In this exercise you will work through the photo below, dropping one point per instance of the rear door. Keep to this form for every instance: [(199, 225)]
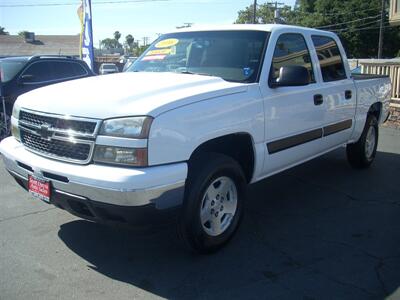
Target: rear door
[(337, 89), (293, 118)]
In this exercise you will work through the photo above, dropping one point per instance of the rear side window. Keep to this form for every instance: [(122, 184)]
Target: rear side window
[(291, 50), (63, 69), (330, 60)]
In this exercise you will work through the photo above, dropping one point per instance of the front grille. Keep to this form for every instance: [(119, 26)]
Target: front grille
[(58, 148), (83, 127)]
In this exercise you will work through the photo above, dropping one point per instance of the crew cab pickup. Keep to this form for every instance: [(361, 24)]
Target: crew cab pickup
[(201, 114)]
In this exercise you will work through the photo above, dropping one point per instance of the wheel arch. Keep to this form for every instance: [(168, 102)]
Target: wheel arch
[(239, 146), (376, 110)]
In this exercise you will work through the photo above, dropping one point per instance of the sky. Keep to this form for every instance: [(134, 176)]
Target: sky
[(141, 19)]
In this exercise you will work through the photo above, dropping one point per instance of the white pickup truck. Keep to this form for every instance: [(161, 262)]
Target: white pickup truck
[(201, 114)]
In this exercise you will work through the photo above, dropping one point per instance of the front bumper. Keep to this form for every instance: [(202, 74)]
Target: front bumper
[(161, 187)]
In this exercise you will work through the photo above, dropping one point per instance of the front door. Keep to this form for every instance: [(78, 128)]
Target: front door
[(293, 115)]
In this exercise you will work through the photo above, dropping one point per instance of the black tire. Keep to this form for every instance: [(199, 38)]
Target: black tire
[(357, 155), (204, 171)]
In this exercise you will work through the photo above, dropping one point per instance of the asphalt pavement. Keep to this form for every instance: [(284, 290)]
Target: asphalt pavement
[(319, 231)]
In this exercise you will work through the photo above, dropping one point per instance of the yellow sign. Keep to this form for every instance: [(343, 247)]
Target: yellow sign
[(159, 51), (167, 43)]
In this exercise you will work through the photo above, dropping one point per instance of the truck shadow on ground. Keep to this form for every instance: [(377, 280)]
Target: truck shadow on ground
[(321, 230)]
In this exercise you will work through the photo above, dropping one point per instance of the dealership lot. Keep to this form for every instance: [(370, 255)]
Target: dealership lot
[(319, 231)]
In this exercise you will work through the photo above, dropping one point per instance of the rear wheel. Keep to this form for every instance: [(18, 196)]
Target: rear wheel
[(213, 204), (362, 154)]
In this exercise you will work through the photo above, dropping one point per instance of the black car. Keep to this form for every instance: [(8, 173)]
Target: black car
[(19, 75)]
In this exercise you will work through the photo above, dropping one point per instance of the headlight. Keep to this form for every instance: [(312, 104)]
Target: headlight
[(133, 127), (15, 111), (121, 156)]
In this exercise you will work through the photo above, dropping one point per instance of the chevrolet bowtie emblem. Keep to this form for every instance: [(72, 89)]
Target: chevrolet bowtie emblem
[(45, 132)]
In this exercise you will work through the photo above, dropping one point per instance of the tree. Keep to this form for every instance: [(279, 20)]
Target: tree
[(355, 21), (3, 31), (117, 35), (23, 33), (110, 44), (264, 15), (129, 40)]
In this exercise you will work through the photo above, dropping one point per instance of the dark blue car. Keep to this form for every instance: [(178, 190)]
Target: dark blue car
[(19, 75)]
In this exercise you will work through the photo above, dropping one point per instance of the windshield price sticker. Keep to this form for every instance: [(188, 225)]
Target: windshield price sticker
[(159, 52), (153, 57), (167, 43)]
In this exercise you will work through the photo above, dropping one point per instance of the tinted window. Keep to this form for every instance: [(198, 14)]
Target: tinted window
[(330, 60), (291, 50), (64, 69), (231, 55), (79, 70), (40, 71)]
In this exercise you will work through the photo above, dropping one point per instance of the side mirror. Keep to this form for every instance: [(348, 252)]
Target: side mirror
[(26, 78), (292, 76)]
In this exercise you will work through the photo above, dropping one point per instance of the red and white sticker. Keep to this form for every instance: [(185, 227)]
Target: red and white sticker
[(39, 188), (153, 57)]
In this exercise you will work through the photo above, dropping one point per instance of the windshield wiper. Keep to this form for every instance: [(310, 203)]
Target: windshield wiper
[(195, 73)]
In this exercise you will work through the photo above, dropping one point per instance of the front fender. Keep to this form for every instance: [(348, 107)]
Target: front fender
[(175, 134)]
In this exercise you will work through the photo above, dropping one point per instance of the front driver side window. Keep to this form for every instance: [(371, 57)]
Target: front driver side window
[(38, 72), (291, 50)]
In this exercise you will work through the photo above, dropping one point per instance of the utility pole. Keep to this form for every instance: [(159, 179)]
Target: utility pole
[(277, 14), (254, 11), (380, 46), (145, 40)]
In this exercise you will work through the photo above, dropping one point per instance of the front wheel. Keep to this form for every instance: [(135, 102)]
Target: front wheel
[(213, 204), (361, 154)]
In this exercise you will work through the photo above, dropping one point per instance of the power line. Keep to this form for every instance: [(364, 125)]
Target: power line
[(364, 24), (362, 29), (336, 14), (77, 3), (108, 2), (348, 22)]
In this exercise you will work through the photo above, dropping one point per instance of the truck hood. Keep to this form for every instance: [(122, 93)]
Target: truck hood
[(126, 94)]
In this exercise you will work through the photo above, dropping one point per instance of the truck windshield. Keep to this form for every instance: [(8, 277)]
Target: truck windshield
[(231, 55)]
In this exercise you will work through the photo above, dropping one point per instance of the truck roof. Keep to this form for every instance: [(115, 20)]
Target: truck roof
[(257, 27)]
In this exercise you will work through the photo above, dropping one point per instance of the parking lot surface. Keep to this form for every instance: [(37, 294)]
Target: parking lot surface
[(319, 231)]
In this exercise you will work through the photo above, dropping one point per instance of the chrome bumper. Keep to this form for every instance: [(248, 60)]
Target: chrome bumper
[(160, 185)]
